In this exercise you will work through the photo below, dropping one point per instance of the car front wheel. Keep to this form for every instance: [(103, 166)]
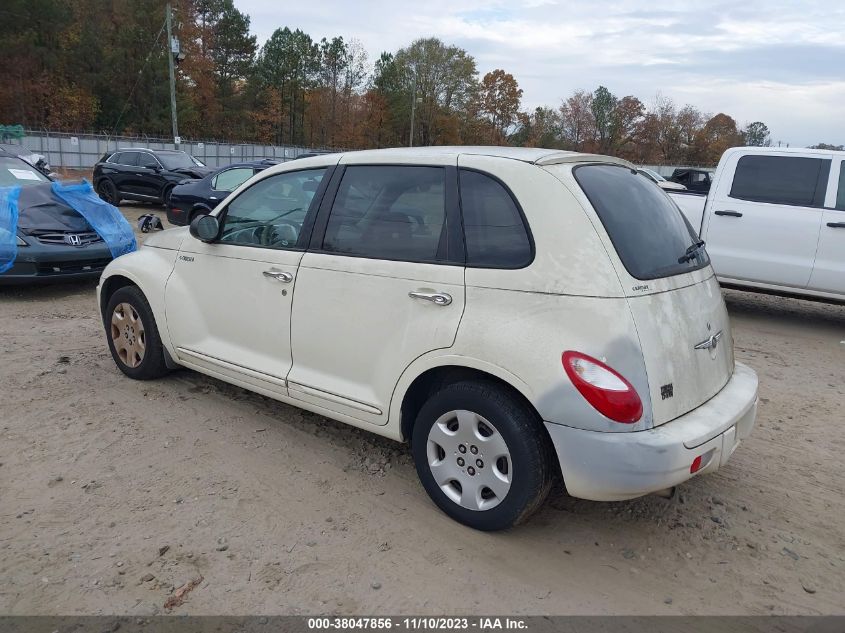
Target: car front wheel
[(481, 455), (132, 335), (107, 191)]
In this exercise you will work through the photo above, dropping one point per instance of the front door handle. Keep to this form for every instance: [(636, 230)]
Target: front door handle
[(836, 225), (733, 214), (437, 298), (278, 275)]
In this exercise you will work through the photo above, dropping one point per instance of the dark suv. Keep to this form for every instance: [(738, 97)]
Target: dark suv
[(143, 174)]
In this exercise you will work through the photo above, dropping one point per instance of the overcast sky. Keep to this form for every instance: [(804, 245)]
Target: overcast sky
[(777, 61)]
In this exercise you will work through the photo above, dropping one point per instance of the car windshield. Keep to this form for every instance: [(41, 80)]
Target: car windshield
[(178, 160), (650, 234), (14, 171)]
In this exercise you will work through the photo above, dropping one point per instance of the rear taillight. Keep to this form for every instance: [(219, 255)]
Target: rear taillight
[(604, 388)]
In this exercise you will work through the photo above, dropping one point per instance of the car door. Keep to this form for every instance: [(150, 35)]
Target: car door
[(381, 285), (148, 179), (228, 302), (123, 169), (763, 225), (226, 181), (829, 267)]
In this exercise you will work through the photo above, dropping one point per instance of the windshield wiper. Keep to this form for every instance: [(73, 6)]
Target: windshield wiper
[(691, 252)]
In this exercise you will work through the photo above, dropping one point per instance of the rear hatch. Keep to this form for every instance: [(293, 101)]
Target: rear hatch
[(673, 294)]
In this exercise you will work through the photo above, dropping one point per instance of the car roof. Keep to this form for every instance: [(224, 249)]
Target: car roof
[(147, 149), (783, 150), (533, 155)]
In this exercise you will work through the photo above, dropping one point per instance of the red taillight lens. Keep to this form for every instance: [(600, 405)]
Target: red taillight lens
[(604, 388)]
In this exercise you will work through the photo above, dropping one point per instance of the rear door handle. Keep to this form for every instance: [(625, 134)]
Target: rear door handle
[(733, 214), (836, 225), (437, 298), (278, 275)]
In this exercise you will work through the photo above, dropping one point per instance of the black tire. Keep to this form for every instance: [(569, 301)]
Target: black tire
[(165, 195), (151, 364), (196, 212), (530, 456), (108, 192)]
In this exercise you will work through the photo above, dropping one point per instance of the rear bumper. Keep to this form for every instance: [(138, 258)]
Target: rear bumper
[(616, 466)]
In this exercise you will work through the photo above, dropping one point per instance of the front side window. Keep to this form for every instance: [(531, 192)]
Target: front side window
[(147, 160), (231, 179), (178, 160), (389, 212), (789, 180), (494, 231), (648, 231), (840, 195), (270, 214)]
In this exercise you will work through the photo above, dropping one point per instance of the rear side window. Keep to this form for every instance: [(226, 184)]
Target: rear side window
[(389, 212), (781, 180), (494, 230), (127, 158), (840, 195), (231, 179), (648, 231)]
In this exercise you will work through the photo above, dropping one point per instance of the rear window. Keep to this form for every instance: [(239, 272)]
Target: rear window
[(781, 180), (649, 232)]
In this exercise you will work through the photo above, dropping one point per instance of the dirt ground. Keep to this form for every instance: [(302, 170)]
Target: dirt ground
[(115, 493)]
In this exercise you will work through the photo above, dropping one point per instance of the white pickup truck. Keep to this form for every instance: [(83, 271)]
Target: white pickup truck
[(774, 220)]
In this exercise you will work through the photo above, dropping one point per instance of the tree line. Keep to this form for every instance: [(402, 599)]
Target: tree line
[(89, 65)]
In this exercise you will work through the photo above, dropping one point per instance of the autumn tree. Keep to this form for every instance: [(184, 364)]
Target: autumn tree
[(442, 77), (577, 122), (500, 97), (717, 135)]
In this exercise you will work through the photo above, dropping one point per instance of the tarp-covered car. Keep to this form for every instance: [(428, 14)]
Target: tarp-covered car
[(47, 230)]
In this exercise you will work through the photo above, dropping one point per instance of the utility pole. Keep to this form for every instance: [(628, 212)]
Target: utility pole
[(413, 108), (170, 52)]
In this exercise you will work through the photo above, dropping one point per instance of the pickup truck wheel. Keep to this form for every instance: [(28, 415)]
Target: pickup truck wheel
[(481, 455), (132, 335), (107, 191)]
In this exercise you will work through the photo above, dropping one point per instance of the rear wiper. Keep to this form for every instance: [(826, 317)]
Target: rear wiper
[(691, 252)]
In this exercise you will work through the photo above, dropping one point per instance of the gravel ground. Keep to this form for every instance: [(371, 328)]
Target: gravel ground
[(116, 494)]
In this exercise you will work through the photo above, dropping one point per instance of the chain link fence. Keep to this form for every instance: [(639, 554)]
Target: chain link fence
[(82, 151)]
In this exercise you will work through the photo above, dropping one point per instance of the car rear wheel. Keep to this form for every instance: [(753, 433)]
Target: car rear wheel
[(132, 335), (107, 191), (481, 455)]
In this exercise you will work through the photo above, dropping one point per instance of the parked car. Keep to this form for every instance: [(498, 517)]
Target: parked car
[(144, 175), (774, 220), (54, 242), (201, 196), (660, 181), (39, 161), (693, 179), (512, 312)]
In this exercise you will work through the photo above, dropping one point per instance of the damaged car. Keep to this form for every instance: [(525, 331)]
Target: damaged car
[(47, 230), (144, 175)]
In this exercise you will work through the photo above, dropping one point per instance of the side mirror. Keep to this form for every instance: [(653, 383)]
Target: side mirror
[(205, 228)]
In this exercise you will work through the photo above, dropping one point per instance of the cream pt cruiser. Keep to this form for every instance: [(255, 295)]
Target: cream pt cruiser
[(516, 314)]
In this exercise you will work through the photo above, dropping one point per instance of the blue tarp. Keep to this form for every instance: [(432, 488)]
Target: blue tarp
[(8, 226), (103, 217)]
